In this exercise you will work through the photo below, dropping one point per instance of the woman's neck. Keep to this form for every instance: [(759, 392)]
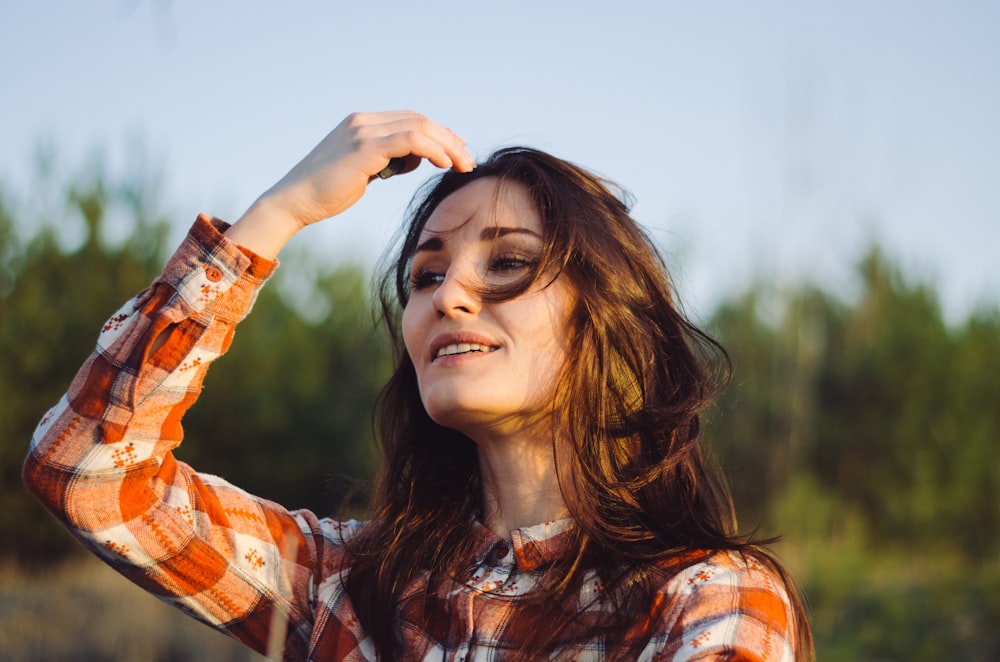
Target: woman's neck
[(520, 487)]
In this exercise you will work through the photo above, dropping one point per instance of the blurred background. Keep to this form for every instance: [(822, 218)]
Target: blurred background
[(824, 182)]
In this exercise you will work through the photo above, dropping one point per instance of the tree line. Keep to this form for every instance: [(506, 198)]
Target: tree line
[(863, 430)]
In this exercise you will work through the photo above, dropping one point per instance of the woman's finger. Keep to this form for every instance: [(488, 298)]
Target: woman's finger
[(402, 131)]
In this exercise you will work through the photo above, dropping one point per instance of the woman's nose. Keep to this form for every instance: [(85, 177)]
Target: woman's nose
[(456, 296)]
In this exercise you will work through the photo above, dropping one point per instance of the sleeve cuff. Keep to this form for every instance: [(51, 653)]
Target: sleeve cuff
[(207, 232), (214, 275)]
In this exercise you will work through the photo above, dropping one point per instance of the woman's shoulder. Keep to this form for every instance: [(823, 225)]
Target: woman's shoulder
[(688, 572), (733, 600)]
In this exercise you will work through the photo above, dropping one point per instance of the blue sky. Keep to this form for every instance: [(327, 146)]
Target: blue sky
[(762, 140)]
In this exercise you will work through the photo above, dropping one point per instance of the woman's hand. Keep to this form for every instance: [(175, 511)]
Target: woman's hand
[(334, 175)]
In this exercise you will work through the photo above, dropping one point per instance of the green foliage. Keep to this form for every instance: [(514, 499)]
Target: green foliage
[(864, 431)]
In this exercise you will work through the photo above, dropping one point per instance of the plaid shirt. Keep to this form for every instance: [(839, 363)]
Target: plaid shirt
[(101, 460)]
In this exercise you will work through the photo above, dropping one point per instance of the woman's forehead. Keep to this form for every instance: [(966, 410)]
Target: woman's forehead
[(481, 204)]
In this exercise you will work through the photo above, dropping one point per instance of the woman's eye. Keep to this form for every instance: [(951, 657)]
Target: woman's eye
[(513, 263), (425, 278)]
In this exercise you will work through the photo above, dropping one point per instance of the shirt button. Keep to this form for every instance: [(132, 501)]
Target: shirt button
[(499, 552), (213, 274)]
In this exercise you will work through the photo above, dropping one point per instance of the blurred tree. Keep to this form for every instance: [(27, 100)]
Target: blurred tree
[(761, 427), (969, 430), (907, 423)]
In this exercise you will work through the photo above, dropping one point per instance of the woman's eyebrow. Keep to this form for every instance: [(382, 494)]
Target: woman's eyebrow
[(497, 231), (435, 244)]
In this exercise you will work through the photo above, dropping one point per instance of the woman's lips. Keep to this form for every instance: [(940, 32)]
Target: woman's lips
[(457, 344)]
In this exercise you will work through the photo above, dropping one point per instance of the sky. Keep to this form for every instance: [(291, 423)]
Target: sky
[(769, 141)]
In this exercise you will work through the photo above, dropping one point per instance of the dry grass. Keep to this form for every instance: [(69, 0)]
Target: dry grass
[(83, 610)]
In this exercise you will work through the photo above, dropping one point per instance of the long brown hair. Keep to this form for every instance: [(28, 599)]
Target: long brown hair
[(631, 470)]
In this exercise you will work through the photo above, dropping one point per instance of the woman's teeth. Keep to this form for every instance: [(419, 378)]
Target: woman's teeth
[(462, 348)]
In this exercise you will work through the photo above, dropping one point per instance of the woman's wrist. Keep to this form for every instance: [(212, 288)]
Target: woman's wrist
[(264, 228)]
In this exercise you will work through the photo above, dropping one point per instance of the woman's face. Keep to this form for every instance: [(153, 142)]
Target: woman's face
[(484, 368)]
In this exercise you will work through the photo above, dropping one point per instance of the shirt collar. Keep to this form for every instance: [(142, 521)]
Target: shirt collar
[(534, 546)]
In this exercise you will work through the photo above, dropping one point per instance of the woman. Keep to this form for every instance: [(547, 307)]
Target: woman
[(543, 494)]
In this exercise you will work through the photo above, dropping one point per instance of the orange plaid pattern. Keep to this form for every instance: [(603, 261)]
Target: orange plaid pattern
[(101, 460)]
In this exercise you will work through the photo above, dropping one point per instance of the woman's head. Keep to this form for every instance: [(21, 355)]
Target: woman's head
[(626, 405)]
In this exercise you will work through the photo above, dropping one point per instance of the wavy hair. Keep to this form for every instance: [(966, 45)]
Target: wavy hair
[(631, 470)]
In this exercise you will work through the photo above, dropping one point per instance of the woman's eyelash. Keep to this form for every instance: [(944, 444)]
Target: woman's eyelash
[(422, 278), (513, 262)]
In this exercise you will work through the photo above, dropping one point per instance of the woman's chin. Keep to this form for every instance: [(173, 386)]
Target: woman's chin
[(459, 415)]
